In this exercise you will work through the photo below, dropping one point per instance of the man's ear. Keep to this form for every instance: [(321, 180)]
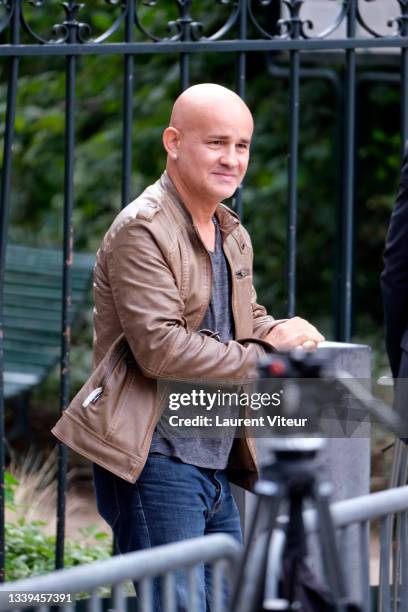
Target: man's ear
[(171, 141)]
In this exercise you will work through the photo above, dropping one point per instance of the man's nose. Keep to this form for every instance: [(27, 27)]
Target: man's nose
[(229, 156)]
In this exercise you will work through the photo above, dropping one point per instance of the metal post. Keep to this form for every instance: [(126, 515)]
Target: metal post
[(348, 179), (5, 194), (185, 21), (404, 76), (71, 9), (294, 82), (4, 219), (337, 287), (241, 86), (128, 86)]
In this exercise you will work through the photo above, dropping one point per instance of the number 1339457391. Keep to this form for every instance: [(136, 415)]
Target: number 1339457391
[(34, 597)]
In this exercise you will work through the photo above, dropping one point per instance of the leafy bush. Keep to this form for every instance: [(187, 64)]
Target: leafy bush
[(30, 551)]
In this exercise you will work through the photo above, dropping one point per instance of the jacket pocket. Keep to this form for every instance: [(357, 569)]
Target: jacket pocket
[(136, 413), (126, 411), (101, 413), (95, 403)]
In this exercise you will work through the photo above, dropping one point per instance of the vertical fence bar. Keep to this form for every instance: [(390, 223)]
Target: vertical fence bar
[(94, 602), (384, 591), (348, 178), (294, 89), (118, 597), (365, 564), (5, 193), (338, 261), (128, 86), (403, 30), (396, 546), (404, 558), (241, 55), (184, 71), (343, 546), (146, 599), (218, 578), (192, 589), (241, 86), (185, 22), (70, 78), (169, 590)]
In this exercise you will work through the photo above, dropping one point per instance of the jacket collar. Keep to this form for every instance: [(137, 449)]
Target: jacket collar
[(227, 218)]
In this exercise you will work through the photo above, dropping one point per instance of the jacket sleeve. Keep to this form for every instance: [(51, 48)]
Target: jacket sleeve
[(150, 308), (262, 322), (394, 278)]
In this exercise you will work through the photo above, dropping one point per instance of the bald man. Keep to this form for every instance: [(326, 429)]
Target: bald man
[(174, 273)]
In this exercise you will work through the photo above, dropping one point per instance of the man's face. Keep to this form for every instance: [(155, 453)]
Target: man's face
[(214, 152)]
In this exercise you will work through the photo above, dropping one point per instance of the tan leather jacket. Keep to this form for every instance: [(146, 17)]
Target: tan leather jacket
[(152, 281)]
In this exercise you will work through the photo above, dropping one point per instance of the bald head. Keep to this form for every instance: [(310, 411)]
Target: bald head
[(207, 143), (203, 101)]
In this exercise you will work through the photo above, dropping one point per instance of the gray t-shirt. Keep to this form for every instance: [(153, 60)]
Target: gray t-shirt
[(205, 451)]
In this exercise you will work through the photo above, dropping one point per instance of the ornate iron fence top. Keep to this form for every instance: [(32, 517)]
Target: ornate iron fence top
[(213, 20)]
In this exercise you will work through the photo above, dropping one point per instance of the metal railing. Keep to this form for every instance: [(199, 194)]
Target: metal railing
[(352, 519), (222, 552)]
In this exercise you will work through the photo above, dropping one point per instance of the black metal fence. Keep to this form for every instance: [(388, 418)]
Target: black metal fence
[(250, 26)]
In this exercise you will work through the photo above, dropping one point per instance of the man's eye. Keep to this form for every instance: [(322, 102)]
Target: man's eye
[(216, 143), (242, 146)]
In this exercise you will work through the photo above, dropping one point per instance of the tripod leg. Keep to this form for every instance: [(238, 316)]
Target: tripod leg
[(296, 547), (330, 555), (250, 585)]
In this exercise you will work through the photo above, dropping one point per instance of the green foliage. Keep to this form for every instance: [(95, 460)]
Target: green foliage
[(376, 184), (266, 195), (29, 551), (38, 159), (10, 485)]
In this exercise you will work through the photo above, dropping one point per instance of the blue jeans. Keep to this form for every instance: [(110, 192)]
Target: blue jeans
[(171, 501)]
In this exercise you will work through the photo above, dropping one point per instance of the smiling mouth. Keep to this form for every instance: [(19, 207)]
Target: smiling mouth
[(225, 175)]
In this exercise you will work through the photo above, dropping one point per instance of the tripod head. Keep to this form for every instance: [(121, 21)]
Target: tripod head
[(294, 364), (312, 385)]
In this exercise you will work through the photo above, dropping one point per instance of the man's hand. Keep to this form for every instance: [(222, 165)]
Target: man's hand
[(294, 333)]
